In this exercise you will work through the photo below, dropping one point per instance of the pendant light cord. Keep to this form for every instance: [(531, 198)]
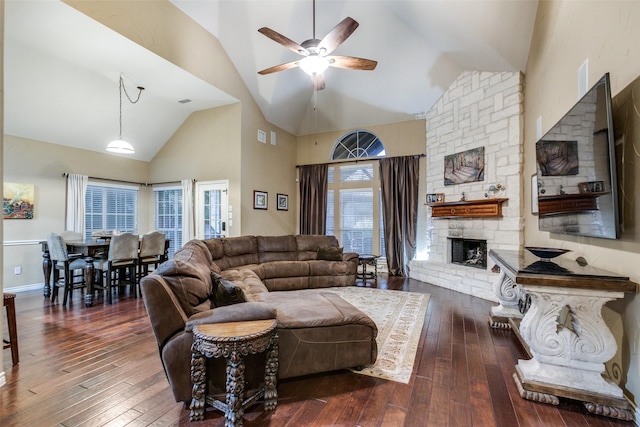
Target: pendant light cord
[(123, 88)]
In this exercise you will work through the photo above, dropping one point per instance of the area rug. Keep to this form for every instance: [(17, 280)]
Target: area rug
[(399, 317)]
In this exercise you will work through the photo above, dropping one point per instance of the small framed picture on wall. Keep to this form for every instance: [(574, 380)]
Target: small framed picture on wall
[(260, 200), (283, 202), (431, 198)]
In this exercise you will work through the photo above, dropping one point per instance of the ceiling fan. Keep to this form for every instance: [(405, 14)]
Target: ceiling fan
[(316, 52)]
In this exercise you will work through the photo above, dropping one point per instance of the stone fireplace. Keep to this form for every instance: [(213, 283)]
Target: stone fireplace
[(480, 109)]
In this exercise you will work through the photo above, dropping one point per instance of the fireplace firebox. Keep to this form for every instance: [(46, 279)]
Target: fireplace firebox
[(469, 252)]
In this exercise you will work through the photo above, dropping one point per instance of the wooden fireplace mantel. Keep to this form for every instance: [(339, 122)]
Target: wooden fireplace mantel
[(483, 208)]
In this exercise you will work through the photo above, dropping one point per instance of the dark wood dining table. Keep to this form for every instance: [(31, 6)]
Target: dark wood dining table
[(89, 249)]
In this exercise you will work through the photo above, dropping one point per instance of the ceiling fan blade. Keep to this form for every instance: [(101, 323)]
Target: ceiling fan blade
[(284, 41), (281, 67), (318, 81), (352, 63), (337, 36)]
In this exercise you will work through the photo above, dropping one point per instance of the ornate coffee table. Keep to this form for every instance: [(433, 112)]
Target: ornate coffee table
[(233, 341)]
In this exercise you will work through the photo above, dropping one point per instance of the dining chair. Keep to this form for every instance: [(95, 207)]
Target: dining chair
[(66, 264), (120, 264), (151, 252), (72, 236)]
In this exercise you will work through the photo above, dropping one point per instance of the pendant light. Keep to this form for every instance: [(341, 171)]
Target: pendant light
[(119, 145)]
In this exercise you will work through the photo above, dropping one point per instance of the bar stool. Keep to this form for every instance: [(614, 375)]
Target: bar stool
[(10, 304)]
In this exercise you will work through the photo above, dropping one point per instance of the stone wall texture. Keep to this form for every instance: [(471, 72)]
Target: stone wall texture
[(480, 109)]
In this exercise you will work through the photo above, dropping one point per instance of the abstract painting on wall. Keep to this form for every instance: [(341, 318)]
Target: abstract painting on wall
[(17, 201), (557, 158), (466, 166)]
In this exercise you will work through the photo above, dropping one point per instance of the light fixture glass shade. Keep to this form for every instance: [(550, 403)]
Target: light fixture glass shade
[(120, 146), (314, 64)]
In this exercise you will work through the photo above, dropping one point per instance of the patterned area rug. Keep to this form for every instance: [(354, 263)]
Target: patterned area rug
[(399, 317)]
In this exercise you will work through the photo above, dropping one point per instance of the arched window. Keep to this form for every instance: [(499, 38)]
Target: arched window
[(357, 144)]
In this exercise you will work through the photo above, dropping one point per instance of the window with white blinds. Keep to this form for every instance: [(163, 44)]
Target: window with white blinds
[(330, 225), (356, 220), (110, 207), (168, 215), (354, 191)]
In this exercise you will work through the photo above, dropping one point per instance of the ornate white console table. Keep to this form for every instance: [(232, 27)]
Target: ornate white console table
[(567, 337)]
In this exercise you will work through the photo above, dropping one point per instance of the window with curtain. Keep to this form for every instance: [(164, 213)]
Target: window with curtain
[(351, 215), (110, 207), (354, 206), (168, 215)]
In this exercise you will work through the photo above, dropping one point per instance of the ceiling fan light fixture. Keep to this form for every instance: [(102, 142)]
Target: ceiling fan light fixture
[(120, 146), (314, 64)]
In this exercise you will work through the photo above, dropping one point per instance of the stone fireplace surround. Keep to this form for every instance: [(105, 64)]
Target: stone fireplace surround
[(480, 109)]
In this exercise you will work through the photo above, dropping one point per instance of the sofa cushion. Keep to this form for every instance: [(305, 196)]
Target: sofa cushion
[(216, 248), (319, 309), (247, 280), (308, 245), (329, 254), (326, 268), (189, 276), (238, 251), (277, 248), (285, 269)]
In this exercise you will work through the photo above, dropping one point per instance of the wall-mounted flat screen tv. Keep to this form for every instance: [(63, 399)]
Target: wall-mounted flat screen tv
[(576, 169)]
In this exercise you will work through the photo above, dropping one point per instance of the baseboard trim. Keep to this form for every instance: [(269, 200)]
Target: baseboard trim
[(18, 289)]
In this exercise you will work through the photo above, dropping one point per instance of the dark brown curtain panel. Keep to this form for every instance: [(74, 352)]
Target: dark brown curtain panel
[(399, 182), (313, 199)]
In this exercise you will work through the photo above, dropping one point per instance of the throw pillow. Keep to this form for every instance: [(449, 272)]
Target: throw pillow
[(225, 292), (329, 254)]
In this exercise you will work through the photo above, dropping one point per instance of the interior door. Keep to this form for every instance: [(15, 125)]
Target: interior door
[(212, 209)]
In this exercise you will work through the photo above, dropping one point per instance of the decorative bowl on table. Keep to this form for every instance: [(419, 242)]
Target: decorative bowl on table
[(546, 254)]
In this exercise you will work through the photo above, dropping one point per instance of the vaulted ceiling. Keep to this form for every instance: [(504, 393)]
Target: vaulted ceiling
[(60, 88)]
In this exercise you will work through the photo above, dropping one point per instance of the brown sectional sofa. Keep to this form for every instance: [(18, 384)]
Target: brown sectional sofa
[(274, 277)]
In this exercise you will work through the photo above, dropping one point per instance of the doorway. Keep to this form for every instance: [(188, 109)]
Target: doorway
[(212, 209)]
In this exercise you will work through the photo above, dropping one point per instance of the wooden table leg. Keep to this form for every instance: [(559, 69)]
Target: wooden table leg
[(46, 270), (235, 390), (88, 279), (9, 301), (270, 379), (198, 378)]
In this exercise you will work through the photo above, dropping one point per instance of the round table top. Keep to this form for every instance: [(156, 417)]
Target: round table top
[(234, 330)]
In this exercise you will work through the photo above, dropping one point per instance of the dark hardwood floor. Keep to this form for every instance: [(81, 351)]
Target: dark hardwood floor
[(100, 366)]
